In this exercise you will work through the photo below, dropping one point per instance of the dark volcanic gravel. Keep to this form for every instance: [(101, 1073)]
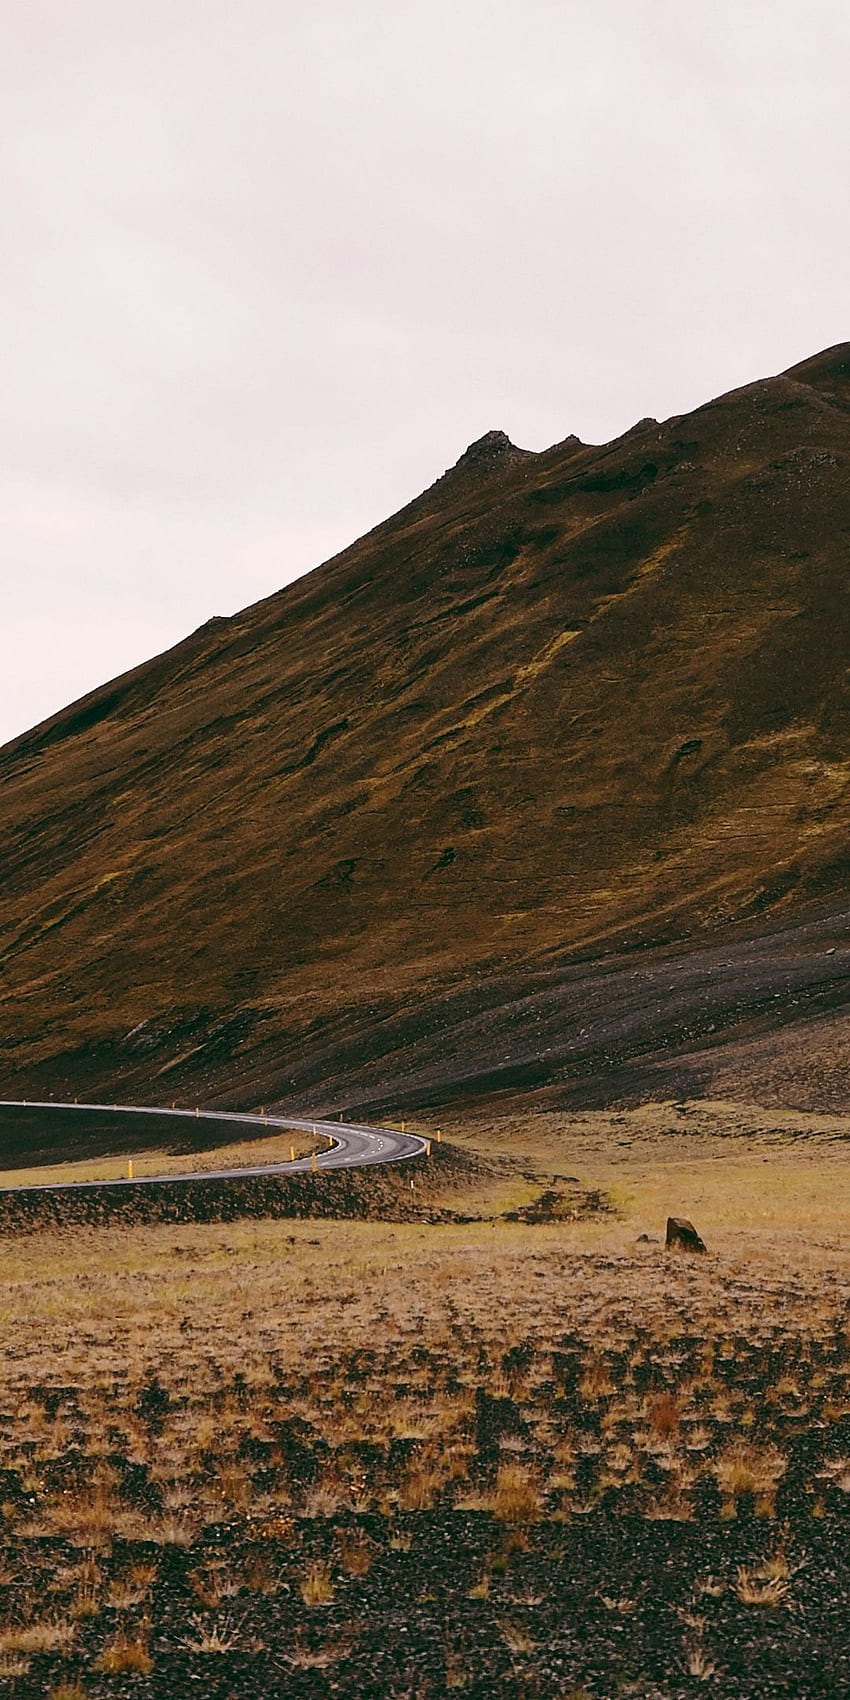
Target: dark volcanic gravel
[(600, 1606)]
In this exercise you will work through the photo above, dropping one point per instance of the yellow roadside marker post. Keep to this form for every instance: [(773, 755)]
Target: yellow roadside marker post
[(439, 1137), (292, 1153), (197, 1111), (427, 1147), (314, 1163), (129, 1168), (402, 1127)]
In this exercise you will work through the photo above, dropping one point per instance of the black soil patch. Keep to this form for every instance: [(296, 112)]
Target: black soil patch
[(565, 1201)]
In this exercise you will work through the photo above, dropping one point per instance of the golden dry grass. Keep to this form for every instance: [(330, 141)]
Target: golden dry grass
[(525, 1372), (761, 1174)]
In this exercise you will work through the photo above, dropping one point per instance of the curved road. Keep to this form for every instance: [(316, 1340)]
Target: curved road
[(353, 1146)]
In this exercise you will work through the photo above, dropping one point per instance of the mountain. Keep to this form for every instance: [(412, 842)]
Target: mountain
[(544, 782)]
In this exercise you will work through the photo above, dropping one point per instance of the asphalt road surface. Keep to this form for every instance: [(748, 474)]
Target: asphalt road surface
[(353, 1147)]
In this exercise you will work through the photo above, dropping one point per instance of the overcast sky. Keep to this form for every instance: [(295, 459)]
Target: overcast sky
[(268, 266)]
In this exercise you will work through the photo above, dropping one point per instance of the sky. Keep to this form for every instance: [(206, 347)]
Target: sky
[(267, 268)]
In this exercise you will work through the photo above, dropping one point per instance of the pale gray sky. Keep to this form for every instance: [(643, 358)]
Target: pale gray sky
[(268, 267)]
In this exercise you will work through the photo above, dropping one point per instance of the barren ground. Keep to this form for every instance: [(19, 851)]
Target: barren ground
[(401, 1457)]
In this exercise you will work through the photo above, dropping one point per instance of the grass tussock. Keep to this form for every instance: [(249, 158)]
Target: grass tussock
[(124, 1654)]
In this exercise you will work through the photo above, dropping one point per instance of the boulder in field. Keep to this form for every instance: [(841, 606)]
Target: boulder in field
[(682, 1235)]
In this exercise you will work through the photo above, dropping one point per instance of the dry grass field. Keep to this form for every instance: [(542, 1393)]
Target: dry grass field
[(398, 1458)]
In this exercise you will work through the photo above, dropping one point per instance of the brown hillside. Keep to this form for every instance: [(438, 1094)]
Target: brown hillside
[(544, 780)]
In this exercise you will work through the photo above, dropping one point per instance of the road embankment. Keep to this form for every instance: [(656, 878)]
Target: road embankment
[(405, 1192)]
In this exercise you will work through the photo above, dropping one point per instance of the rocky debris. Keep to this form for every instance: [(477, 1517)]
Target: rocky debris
[(488, 455), (682, 1235), (493, 450)]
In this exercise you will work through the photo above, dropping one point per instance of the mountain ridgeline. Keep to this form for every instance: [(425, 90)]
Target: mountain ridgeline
[(544, 783)]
